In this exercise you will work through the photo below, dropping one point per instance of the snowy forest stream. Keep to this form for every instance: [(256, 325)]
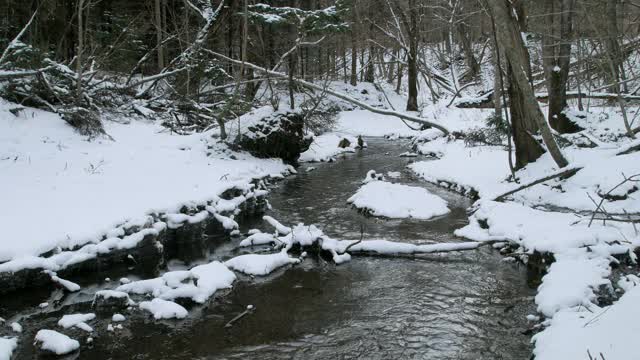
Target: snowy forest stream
[(465, 305)]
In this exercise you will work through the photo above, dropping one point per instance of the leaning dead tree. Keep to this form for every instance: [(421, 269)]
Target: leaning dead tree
[(526, 117), (336, 94)]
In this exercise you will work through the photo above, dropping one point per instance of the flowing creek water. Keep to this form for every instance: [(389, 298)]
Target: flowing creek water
[(466, 305)]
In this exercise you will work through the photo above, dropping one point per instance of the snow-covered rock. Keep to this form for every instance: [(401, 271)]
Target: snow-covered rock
[(7, 345), (16, 327), (163, 309), (258, 239), (111, 300), (55, 342), (260, 264), (77, 320), (197, 284)]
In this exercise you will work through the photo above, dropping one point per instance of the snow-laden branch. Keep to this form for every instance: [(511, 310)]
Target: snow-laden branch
[(341, 96), (4, 75), (209, 15), (298, 44), (15, 40)]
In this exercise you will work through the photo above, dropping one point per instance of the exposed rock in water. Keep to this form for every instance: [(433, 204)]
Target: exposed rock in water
[(279, 135), (344, 143), (110, 301)]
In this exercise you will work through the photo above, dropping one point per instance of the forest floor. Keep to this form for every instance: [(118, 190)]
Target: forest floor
[(72, 199)]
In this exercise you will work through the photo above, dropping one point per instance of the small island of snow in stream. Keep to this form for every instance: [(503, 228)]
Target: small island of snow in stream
[(381, 198)]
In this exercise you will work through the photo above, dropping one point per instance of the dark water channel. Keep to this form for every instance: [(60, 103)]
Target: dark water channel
[(468, 305)]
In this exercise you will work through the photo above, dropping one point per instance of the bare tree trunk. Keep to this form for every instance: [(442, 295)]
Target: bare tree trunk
[(354, 60), (344, 62), (159, 35), (412, 100), (612, 45), (369, 75), (79, 51), (291, 82), (526, 116), (497, 82), (556, 56), (400, 74), (394, 62), (467, 49)]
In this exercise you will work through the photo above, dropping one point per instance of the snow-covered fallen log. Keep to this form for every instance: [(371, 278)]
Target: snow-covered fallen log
[(384, 247)]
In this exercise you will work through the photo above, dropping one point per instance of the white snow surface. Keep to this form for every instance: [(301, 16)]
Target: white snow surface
[(366, 123), (611, 330), (16, 327), (163, 309), (571, 281), (325, 147), (56, 342), (258, 239), (260, 264), (7, 345), (382, 198), (463, 168), (59, 190), (544, 231), (198, 284)]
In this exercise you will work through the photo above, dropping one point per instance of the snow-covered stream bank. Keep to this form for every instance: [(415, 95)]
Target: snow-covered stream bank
[(184, 199), (442, 306)]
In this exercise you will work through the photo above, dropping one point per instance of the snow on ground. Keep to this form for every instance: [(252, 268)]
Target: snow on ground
[(571, 281), (366, 123), (602, 171), (7, 345), (611, 331), (51, 177), (56, 342), (381, 198), (582, 252), (538, 230), (163, 309), (479, 169), (325, 147)]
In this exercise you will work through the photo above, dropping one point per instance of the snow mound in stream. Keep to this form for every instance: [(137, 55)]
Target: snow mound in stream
[(380, 198)]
